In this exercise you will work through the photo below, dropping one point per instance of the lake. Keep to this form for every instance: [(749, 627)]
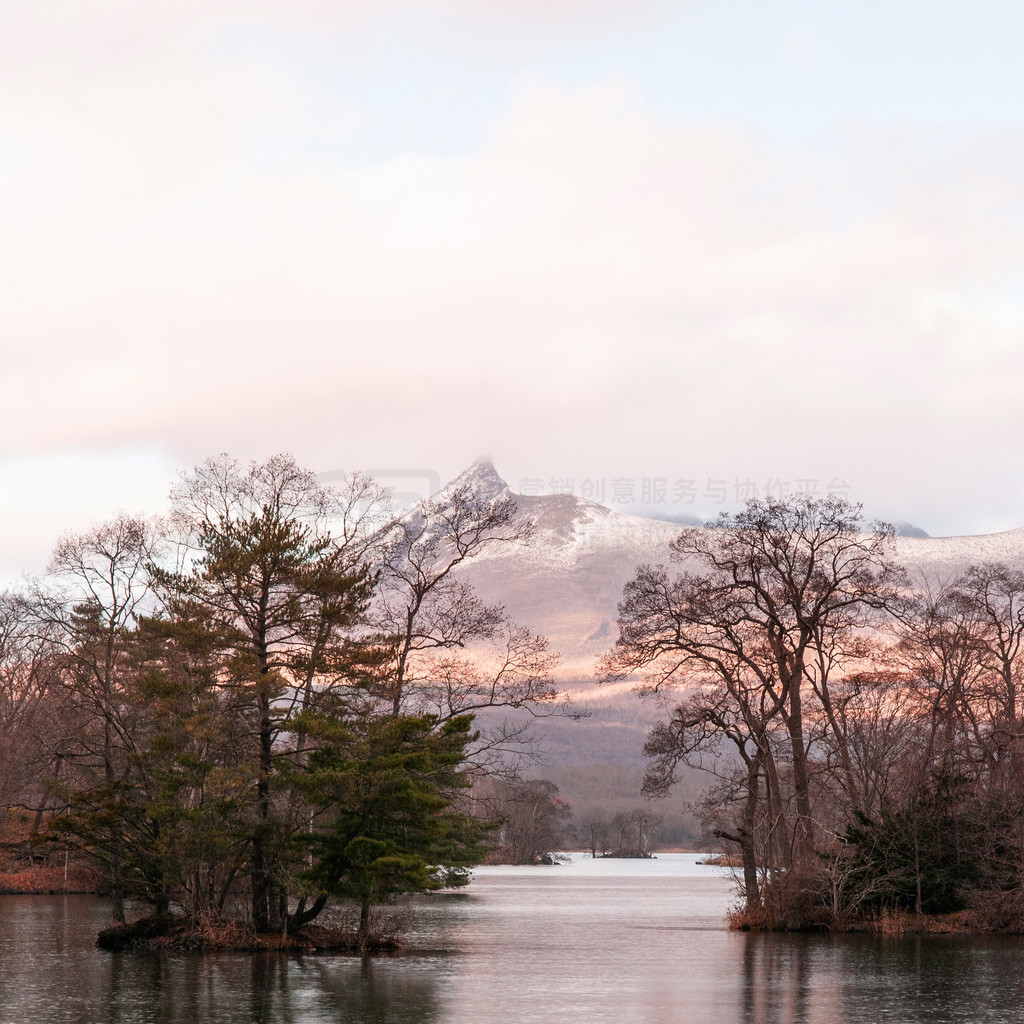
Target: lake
[(606, 940)]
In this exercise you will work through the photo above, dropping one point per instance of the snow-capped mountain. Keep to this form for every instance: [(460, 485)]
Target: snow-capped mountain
[(567, 580)]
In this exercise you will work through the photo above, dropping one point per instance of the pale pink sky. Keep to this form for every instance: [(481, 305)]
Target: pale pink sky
[(595, 246)]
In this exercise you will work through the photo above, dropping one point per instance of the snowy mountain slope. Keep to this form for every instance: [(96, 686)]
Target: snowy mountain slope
[(934, 559), (566, 582)]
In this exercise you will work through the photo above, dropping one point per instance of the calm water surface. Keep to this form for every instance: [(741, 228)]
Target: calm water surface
[(589, 941)]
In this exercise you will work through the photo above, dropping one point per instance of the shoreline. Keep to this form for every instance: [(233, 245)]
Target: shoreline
[(964, 923), (49, 880), (179, 934)]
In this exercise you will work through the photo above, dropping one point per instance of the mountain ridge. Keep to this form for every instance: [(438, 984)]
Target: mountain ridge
[(566, 581)]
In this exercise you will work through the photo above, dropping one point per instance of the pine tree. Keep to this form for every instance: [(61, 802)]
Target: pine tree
[(387, 787)]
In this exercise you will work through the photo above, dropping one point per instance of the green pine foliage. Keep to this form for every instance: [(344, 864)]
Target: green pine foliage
[(387, 788)]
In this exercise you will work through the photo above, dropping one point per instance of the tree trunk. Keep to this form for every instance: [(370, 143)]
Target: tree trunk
[(260, 868), (302, 916), (363, 935), (751, 888), (803, 829), (114, 865)]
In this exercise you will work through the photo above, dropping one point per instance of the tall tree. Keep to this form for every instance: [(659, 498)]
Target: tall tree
[(448, 653), (279, 591), (776, 600), (996, 593), (97, 588), (36, 724), (424, 608)]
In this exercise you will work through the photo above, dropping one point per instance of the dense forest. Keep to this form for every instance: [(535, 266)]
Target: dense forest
[(864, 730), (265, 701)]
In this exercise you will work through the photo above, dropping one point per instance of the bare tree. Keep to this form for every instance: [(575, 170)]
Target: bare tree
[(594, 830), (447, 653), (877, 717), (624, 830), (423, 608), (534, 819), (645, 826), (35, 724), (98, 586), (748, 801), (781, 598), (942, 646), (997, 595)]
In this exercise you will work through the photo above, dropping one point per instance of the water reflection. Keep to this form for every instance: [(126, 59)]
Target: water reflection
[(776, 984), (379, 994), (263, 989), (50, 971), (796, 979), (582, 944)]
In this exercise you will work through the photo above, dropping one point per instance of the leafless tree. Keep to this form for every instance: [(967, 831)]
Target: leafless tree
[(36, 727), (996, 593), (593, 831), (423, 607), (447, 652), (779, 603), (534, 819), (97, 586), (645, 827)]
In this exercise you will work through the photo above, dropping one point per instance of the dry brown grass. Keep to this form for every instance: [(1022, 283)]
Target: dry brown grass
[(722, 860), (892, 922), (749, 919), (47, 879), (20, 874)]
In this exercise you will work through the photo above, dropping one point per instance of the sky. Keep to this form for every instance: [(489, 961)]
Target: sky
[(668, 254)]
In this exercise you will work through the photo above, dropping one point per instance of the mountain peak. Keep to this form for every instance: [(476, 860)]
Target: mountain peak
[(482, 478)]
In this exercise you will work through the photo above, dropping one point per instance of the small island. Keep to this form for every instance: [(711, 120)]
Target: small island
[(229, 721)]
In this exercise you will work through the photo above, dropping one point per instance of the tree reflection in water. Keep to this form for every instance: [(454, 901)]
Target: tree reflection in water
[(776, 982), (795, 979), (651, 953), (51, 971), (162, 988)]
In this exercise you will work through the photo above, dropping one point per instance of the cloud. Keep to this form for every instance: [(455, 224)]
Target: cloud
[(591, 288), (44, 497)]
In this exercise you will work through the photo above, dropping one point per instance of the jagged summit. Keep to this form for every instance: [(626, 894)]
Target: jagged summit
[(557, 519), (905, 529), (482, 478)]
